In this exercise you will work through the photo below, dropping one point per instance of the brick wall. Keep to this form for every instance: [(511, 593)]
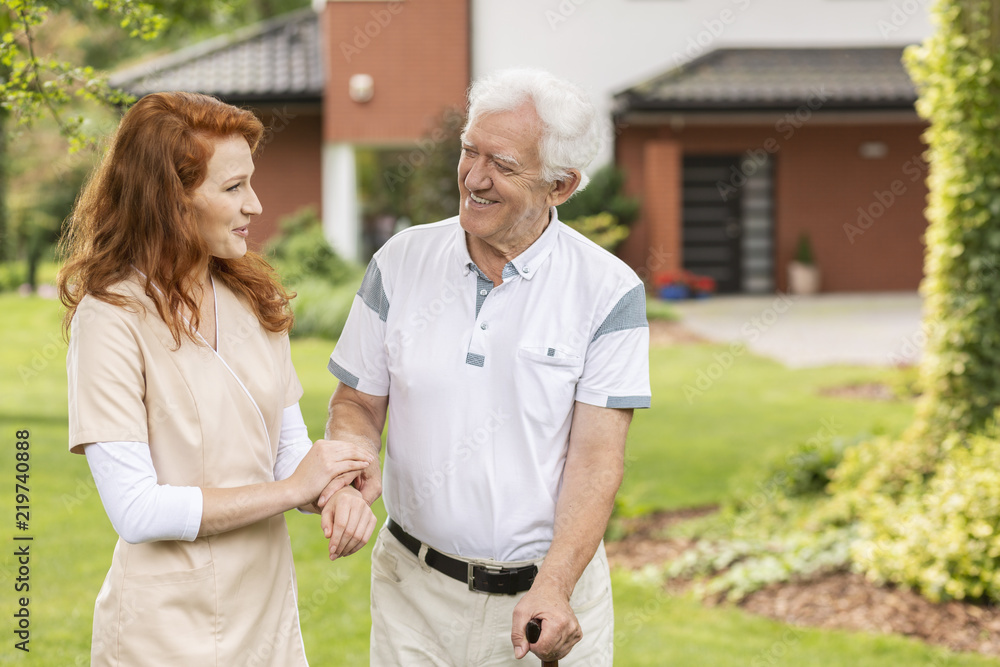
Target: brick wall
[(287, 167), (821, 182), (418, 55)]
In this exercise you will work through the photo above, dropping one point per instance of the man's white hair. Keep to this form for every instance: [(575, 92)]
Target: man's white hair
[(571, 131)]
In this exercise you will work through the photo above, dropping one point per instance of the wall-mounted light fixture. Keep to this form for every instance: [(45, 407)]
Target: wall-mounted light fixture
[(361, 87), (873, 150)]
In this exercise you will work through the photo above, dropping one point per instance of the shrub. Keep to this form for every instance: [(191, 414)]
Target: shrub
[(603, 194), (601, 228), (301, 252), (321, 309), (942, 539)]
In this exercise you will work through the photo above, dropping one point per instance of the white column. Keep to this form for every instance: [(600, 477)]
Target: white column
[(341, 215)]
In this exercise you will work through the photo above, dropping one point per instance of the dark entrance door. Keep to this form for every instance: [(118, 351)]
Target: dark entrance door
[(712, 227)]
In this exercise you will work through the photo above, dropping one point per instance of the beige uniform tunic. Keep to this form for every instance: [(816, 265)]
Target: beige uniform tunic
[(212, 420)]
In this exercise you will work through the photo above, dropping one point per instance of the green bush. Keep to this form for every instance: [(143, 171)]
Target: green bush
[(603, 194), (12, 274), (943, 539), (301, 252), (601, 228), (321, 309)]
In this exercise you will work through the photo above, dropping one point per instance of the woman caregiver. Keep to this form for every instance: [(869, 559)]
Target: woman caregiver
[(183, 397)]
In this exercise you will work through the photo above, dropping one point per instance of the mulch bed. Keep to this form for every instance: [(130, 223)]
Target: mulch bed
[(838, 600)]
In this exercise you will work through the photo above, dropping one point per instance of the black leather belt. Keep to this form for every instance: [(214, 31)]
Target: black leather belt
[(481, 578)]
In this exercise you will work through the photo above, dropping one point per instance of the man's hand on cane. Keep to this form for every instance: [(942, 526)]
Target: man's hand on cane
[(560, 628)]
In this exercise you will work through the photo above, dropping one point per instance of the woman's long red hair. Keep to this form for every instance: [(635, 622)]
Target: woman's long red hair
[(136, 212)]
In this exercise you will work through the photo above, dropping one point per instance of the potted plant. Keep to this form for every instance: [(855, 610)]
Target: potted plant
[(803, 273)]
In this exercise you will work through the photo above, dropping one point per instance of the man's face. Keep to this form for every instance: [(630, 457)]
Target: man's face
[(504, 200)]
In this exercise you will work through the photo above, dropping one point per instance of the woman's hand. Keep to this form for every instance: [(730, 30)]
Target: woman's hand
[(347, 521), (330, 463)]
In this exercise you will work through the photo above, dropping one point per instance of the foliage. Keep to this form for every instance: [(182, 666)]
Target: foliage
[(36, 83), (433, 191), (736, 568), (300, 251), (39, 79), (603, 194), (601, 228), (804, 251), (944, 541), (418, 183), (323, 281), (957, 72), (321, 309)]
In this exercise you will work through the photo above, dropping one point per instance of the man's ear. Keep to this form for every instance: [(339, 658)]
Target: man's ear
[(561, 190)]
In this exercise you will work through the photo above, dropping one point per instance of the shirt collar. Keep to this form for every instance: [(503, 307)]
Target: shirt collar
[(529, 262)]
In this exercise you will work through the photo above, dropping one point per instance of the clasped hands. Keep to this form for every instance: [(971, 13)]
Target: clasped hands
[(339, 480)]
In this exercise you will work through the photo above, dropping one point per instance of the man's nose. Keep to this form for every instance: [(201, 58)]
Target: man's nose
[(478, 178)]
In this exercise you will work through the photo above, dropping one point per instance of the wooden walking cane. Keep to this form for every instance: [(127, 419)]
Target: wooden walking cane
[(533, 630)]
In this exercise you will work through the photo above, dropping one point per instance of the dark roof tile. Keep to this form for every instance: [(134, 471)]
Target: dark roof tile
[(275, 59), (738, 79)]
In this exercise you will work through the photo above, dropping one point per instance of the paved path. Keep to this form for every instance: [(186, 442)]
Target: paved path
[(877, 329)]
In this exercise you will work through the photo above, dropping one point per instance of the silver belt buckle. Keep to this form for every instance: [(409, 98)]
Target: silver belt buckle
[(472, 574)]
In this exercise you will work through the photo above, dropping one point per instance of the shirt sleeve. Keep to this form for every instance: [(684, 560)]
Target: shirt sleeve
[(359, 359), (293, 443), (616, 369), (106, 377), (140, 509)]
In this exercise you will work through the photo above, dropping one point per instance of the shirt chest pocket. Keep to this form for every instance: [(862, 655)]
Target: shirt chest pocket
[(546, 379)]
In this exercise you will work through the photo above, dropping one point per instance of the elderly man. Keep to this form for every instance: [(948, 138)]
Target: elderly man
[(509, 352)]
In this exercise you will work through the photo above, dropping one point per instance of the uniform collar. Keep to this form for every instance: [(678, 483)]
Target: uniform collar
[(529, 262)]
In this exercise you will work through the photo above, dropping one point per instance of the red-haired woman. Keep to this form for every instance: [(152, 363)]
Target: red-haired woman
[(183, 397)]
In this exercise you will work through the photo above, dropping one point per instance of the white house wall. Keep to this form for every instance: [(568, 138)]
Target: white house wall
[(609, 45)]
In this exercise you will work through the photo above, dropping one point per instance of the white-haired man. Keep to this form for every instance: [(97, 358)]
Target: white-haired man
[(509, 352)]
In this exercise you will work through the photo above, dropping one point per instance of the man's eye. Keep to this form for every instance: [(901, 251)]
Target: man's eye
[(469, 152), (504, 168)]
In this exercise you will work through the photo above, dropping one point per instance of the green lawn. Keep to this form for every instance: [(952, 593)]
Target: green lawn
[(680, 454)]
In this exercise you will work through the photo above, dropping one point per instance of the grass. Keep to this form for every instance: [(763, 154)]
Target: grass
[(680, 454)]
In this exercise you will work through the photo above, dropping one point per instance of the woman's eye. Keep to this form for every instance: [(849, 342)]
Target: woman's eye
[(233, 188)]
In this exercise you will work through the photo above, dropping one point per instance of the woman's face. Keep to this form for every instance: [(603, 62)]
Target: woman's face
[(225, 201)]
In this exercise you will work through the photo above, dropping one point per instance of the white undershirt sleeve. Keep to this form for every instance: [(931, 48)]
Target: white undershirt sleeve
[(293, 443), (143, 511), (140, 509)]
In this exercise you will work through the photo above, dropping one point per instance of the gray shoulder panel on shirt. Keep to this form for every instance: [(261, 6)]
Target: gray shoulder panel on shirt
[(372, 292), (628, 313)]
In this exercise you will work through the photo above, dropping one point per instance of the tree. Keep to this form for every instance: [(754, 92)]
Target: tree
[(53, 54)]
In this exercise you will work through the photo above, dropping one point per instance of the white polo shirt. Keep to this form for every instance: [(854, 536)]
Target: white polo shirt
[(482, 379)]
